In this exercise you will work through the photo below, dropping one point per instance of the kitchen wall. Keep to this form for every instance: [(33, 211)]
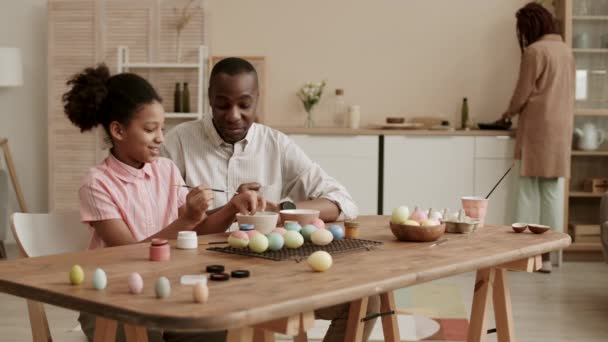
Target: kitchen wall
[(23, 110), (414, 57)]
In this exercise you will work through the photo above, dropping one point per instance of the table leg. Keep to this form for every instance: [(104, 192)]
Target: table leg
[(301, 337), (240, 335), (481, 300), (105, 330), (136, 333), (390, 327), (262, 335), (502, 307), (354, 326), (38, 322)]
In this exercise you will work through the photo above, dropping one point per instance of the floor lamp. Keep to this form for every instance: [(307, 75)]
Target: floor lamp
[(11, 75)]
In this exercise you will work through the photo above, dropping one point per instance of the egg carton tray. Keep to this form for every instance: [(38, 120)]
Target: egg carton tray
[(299, 254)]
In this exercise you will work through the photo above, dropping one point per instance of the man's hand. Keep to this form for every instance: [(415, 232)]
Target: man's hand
[(271, 206), (254, 186)]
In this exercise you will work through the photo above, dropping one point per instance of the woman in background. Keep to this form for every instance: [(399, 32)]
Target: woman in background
[(544, 101)]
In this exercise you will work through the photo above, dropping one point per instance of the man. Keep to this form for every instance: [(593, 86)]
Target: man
[(227, 150)]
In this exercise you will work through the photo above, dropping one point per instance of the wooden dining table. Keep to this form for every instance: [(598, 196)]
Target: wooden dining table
[(281, 296)]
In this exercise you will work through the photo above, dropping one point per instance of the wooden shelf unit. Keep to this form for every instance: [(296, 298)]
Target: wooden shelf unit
[(590, 112), (583, 194), (596, 153)]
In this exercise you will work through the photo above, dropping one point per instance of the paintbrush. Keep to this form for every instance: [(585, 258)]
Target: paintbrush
[(438, 243), (214, 190), (213, 243)]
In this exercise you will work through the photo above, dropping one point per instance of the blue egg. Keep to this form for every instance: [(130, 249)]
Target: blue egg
[(162, 287), (275, 241), (100, 280), (307, 231), (293, 225), (336, 231)]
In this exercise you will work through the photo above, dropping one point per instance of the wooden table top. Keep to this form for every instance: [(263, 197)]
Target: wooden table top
[(275, 289)]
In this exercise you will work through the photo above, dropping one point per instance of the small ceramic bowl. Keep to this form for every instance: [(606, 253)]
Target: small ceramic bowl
[(538, 228), (417, 233), (302, 216), (519, 227), (263, 222)]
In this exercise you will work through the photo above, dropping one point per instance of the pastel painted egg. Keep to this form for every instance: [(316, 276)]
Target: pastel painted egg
[(292, 225), (76, 275), (320, 261), (238, 239), (321, 237), (430, 223), (318, 223), (411, 223), (100, 280), (307, 231), (293, 239), (336, 231), (400, 214), (136, 283), (258, 243), (280, 231), (251, 233), (162, 288), (275, 241), (200, 292)]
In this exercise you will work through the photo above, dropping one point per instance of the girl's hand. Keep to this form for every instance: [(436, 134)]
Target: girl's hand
[(197, 202), (248, 202)]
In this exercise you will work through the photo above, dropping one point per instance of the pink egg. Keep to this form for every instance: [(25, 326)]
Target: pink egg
[(318, 223), (136, 283), (240, 235), (238, 239), (251, 233), (279, 230)]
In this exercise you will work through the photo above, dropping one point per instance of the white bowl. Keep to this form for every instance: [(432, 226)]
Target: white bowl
[(302, 216), (263, 221)]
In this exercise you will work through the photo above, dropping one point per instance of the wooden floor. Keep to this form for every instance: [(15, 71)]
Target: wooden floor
[(571, 304)]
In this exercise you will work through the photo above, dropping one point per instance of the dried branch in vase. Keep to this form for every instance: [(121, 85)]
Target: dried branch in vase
[(184, 16)]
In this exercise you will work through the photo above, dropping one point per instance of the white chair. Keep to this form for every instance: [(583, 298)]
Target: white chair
[(47, 234)]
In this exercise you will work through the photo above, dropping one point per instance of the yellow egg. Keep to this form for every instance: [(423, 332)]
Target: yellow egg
[(320, 261), (321, 237), (76, 275), (200, 292)]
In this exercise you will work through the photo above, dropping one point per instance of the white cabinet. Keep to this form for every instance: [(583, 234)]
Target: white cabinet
[(433, 171), (352, 160), (493, 157)]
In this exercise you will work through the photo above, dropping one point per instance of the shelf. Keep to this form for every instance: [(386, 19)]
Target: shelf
[(584, 247), (583, 194), (590, 50), (161, 65), (182, 115), (590, 112), (598, 153), (590, 17)]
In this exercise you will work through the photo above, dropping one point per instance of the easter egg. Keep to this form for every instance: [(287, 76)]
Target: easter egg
[(307, 231), (293, 239), (251, 233), (275, 241), (400, 214), (430, 223), (318, 223), (100, 280), (76, 275), (411, 223), (200, 292), (336, 231), (136, 283), (321, 237), (162, 288), (238, 239), (418, 215), (279, 230), (258, 243), (320, 261), (292, 225)]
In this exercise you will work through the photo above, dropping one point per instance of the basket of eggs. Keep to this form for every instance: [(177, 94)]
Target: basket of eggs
[(417, 226)]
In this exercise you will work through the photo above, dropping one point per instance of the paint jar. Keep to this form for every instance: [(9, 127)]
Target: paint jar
[(187, 240), (160, 250), (351, 229)]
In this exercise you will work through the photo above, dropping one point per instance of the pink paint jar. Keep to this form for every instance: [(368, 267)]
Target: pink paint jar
[(160, 250)]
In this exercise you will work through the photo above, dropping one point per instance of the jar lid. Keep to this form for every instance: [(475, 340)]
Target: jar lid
[(186, 234), (159, 242), (339, 91), (351, 224), (246, 226)]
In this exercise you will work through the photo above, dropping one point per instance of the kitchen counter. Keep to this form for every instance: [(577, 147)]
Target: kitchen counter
[(373, 131)]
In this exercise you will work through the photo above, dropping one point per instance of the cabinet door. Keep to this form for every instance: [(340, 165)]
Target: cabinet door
[(501, 206), (427, 171), (352, 160)]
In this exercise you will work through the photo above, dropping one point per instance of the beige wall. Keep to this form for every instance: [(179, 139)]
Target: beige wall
[(392, 57), (23, 116)]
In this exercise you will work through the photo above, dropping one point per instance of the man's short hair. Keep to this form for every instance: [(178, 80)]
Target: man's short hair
[(232, 66)]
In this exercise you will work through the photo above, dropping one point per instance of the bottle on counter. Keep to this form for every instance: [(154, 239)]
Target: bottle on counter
[(177, 99), (340, 109), (186, 99), (464, 114), (354, 116)]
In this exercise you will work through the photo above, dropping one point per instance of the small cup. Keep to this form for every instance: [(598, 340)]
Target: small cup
[(160, 250), (351, 229), (187, 240), (475, 207)]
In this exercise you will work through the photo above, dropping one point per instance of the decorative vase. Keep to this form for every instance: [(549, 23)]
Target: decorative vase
[(309, 122)]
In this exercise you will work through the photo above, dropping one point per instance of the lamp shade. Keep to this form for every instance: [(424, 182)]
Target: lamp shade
[(11, 70)]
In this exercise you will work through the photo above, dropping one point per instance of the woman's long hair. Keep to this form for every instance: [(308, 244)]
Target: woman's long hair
[(533, 22)]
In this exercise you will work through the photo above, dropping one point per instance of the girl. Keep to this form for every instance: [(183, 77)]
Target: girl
[(131, 196)]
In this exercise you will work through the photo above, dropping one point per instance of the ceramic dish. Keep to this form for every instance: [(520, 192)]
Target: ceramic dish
[(417, 233)]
